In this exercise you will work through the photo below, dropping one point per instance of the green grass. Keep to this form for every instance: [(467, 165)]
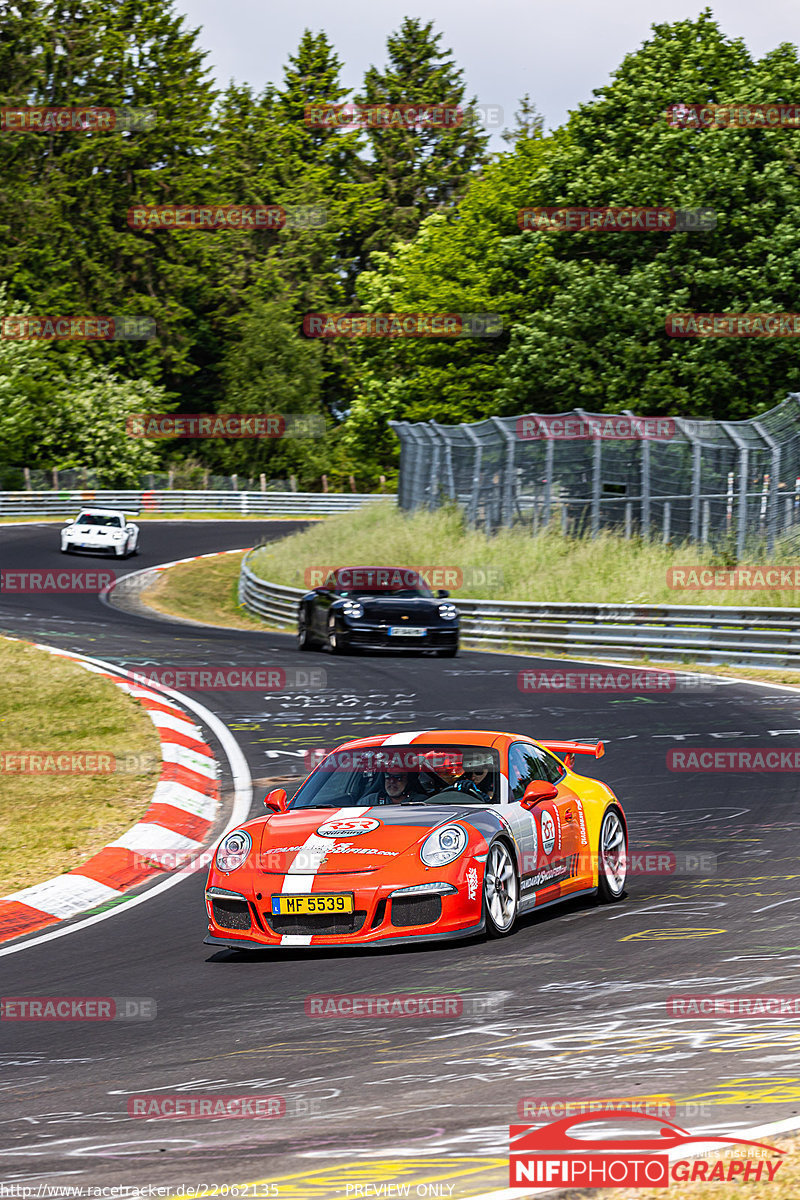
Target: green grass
[(51, 823), (516, 564), (205, 590)]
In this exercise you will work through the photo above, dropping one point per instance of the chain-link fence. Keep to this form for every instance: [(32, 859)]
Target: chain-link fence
[(668, 478)]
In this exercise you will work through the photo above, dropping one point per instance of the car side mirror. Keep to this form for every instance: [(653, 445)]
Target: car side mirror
[(70, 521), (442, 593), (321, 591), (538, 791), (276, 801)]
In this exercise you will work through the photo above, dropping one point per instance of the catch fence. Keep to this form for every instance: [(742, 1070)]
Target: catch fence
[(674, 479)]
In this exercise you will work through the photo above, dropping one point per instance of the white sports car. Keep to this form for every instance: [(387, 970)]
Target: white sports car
[(105, 530)]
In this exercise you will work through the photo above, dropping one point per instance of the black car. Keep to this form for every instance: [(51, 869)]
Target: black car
[(377, 608)]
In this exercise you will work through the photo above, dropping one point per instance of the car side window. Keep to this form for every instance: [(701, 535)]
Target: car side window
[(528, 763)]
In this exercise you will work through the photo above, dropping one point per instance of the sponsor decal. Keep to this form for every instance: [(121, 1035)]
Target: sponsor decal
[(348, 826), (310, 859), (550, 874), (582, 819), (548, 832), (472, 883)]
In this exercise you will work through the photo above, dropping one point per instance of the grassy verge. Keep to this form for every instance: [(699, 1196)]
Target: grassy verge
[(511, 565), (205, 590), (51, 823)]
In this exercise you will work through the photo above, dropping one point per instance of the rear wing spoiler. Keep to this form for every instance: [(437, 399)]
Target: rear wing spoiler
[(568, 750)]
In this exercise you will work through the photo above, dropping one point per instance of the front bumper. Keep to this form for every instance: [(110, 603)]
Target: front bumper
[(246, 919), (377, 637), (250, 943)]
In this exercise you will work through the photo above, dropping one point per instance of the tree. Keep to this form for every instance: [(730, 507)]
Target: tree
[(419, 168), (60, 409), (529, 122), (600, 343)]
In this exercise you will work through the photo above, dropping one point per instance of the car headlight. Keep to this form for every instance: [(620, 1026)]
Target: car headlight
[(233, 850), (443, 846), (352, 608), (448, 612)]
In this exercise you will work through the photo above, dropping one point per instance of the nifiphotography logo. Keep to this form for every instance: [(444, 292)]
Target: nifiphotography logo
[(648, 1154)]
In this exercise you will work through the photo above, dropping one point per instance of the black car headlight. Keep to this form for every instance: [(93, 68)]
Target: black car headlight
[(352, 608), (233, 850), (448, 612)]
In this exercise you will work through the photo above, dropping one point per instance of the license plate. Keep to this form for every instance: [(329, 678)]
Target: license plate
[(406, 631), (292, 905)]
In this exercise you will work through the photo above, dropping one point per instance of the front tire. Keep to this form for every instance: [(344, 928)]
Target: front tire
[(500, 891), (304, 640), (449, 652), (336, 640), (612, 857)]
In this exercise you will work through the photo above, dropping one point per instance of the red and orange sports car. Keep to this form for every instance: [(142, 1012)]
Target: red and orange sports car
[(417, 837)]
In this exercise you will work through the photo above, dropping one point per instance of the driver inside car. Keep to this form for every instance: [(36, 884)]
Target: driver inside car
[(398, 788)]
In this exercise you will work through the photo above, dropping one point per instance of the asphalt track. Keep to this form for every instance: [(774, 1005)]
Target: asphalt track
[(578, 994)]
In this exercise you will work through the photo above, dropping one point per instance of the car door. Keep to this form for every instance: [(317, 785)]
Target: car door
[(321, 605), (550, 868)]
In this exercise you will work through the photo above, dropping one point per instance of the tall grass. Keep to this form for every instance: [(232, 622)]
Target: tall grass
[(514, 564)]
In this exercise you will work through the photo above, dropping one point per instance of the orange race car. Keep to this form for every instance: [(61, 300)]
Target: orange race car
[(418, 837)]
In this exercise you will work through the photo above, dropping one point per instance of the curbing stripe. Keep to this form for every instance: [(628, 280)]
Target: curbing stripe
[(180, 817)]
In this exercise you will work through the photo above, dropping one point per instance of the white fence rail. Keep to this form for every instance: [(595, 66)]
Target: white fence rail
[(134, 500), (664, 633)]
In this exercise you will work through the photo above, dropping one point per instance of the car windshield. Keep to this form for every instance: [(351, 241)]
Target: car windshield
[(371, 582), (418, 774), (98, 519)]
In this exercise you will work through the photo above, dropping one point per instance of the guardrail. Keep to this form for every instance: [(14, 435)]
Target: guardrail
[(757, 637), (67, 503)]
